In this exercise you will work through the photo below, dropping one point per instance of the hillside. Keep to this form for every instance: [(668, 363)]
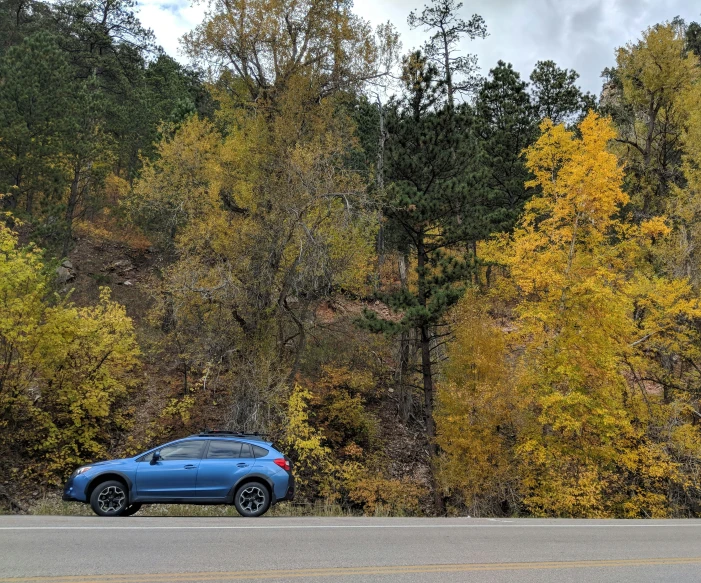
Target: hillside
[(479, 296)]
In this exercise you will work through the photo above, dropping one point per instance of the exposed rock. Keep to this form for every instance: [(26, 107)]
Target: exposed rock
[(65, 272), (120, 266)]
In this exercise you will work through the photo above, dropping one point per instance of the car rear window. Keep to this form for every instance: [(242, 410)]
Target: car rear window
[(259, 451), (224, 450)]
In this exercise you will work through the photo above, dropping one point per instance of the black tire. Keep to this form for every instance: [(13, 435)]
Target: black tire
[(110, 498), (252, 499), (131, 510)]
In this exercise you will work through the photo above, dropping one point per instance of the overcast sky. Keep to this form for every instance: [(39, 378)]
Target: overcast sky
[(577, 34)]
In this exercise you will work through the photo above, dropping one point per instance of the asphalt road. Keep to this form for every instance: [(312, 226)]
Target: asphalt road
[(347, 550)]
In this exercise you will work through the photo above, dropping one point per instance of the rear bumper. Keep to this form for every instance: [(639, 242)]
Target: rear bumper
[(290, 493)]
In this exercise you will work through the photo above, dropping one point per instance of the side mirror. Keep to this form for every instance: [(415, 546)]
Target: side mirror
[(156, 457)]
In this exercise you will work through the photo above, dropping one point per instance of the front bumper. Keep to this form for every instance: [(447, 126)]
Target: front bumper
[(74, 490)]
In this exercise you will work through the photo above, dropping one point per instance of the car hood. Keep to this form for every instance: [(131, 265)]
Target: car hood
[(119, 462)]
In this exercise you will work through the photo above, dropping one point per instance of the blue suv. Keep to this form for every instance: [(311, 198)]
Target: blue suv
[(213, 467)]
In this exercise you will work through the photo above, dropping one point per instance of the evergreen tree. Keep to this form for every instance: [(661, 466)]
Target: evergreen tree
[(20, 19), (430, 149), (81, 97), (106, 42), (556, 95), (506, 123), (693, 38), (459, 73), (35, 96)]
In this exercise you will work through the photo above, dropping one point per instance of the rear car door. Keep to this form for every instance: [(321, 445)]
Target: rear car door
[(226, 462), (174, 476)]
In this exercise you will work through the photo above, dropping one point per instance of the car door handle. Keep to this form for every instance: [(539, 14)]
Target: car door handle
[(242, 465), (190, 467)]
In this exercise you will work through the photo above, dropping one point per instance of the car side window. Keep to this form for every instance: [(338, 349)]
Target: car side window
[(223, 450), (259, 451), (246, 450), (183, 450)]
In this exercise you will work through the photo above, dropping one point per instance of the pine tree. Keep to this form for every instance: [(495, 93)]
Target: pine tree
[(693, 38), (459, 73), (35, 96), (430, 151), (556, 95), (505, 121)]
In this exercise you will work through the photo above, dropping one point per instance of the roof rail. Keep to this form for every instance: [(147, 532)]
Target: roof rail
[(206, 432)]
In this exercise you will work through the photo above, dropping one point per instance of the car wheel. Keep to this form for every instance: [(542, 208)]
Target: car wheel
[(110, 499), (252, 499), (131, 510)]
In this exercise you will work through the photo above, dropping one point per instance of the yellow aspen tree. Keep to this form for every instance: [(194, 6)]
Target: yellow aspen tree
[(646, 98), (584, 449), (682, 256), (479, 413)]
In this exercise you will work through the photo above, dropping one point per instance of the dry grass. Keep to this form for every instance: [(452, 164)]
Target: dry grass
[(52, 505), (106, 229)]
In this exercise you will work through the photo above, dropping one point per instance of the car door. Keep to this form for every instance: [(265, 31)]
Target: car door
[(226, 462), (174, 475)]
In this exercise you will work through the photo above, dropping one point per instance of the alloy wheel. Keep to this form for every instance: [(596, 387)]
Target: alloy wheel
[(111, 500), (252, 499)]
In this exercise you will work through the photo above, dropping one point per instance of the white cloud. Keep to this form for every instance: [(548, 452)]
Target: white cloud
[(170, 20), (580, 35)]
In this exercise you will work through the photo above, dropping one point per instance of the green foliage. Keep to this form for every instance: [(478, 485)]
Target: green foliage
[(81, 98), (505, 121), (269, 203), (33, 123), (429, 164), (693, 38), (556, 96), (458, 72)]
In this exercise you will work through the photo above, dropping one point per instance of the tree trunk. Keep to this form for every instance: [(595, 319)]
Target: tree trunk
[(448, 72), (30, 203), (427, 378), (380, 182), (425, 339), (70, 209), (406, 401)]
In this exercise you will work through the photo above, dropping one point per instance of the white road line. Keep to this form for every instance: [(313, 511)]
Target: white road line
[(355, 526)]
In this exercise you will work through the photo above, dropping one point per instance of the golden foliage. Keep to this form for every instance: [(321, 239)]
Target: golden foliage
[(382, 496), (655, 75), (68, 370), (478, 413), (592, 320), (313, 464), (585, 322)]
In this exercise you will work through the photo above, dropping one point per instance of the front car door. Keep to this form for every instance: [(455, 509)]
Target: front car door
[(226, 462), (174, 476)]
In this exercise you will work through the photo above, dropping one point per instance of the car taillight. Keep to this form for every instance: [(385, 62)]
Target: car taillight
[(283, 463)]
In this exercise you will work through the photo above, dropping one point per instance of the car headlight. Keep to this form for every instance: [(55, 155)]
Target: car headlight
[(82, 470)]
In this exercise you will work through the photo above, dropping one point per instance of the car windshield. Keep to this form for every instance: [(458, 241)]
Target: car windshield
[(180, 450)]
